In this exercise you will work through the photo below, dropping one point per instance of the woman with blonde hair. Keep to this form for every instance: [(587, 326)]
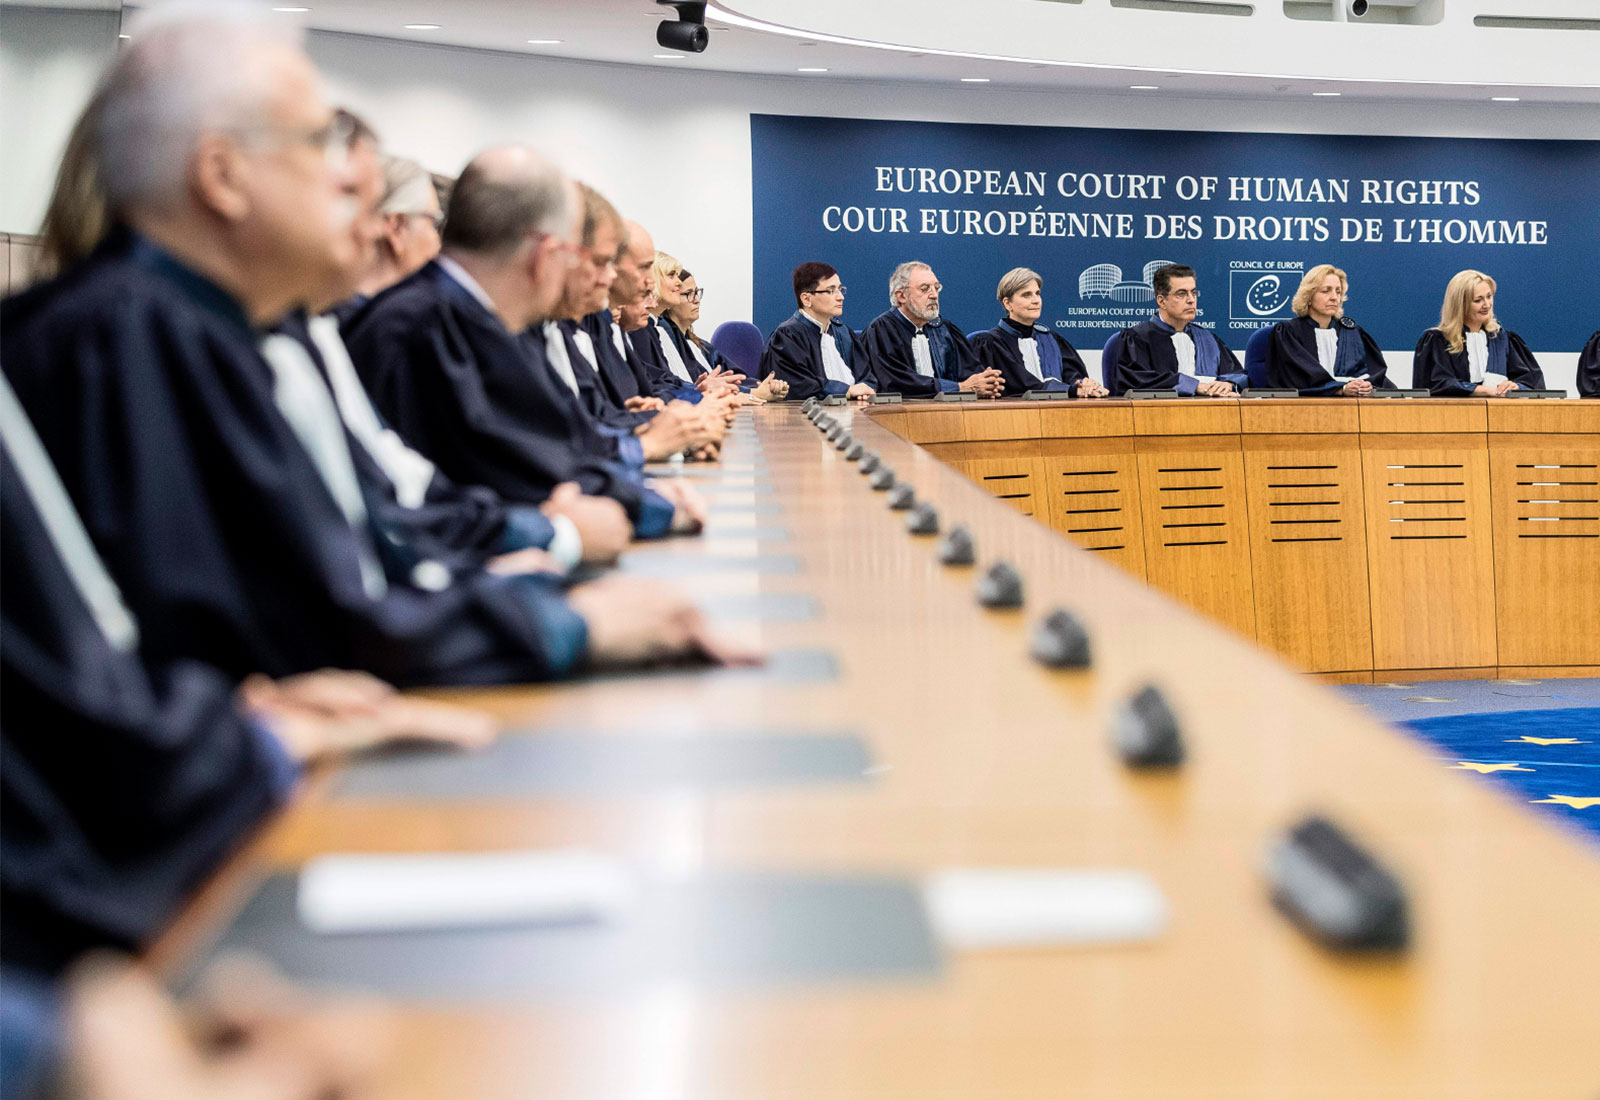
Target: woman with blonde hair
[(1470, 354), (1323, 353), (679, 322), (1028, 355)]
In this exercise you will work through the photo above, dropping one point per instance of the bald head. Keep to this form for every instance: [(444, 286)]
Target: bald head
[(505, 195), (636, 278)]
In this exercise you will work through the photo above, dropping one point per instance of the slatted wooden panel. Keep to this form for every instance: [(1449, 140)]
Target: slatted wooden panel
[(1546, 492), (1091, 488), (1017, 481), (1308, 549), (1197, 545), (1429, 557)]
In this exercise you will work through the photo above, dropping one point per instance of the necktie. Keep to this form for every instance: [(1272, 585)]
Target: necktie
[(921, 354)]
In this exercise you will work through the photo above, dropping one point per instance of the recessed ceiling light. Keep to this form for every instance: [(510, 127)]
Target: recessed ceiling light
[(1144, 87), (974, 80), (1327, 93), (1505, 99), (422, 26), (812, 70), (126, 37), (544, 41), (668, 56), (291, 9)]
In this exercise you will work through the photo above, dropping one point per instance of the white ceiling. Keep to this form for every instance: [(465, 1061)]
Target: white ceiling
[(1077, 45)]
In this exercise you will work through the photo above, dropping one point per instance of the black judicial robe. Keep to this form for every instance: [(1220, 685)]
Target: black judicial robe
[(1445, 375), (688, 346), (349, 308), (1148, 361), (998, 348), (624, 374), (460, 388), (794, 354), (121, 789), (461, 526), (1292, 362), (1589, 368), (593, 388), (144, 381), (887, 341), (664, 384)]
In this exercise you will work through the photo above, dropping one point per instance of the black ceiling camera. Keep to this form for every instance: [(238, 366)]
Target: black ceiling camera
[(1357, 8), (688, 32)]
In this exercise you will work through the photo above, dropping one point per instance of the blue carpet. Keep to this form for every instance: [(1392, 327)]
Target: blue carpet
[(1549, 759)]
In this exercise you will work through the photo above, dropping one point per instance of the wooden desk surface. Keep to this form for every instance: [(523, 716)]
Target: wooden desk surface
[(989, 760)]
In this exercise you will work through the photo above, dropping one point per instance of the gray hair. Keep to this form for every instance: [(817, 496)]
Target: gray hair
[(900, 278), (503, 195), (190, 68), (1013, 281), (406, 186)]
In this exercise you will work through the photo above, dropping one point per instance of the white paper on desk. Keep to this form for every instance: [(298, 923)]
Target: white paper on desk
[(385, 893), (976, 908)]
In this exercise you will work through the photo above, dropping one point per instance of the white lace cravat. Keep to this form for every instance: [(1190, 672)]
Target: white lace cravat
[(921, 354), (62, 524)]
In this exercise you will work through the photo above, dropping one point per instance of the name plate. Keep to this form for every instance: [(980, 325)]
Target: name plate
[(885, 399), (1397, 393), (1153, 395), (1047, 395), (1539, 395), (956, 397), (1270, 393)]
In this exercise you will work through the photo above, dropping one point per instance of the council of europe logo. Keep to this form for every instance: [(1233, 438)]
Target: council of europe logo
[(1262, 292), (1106, 281)]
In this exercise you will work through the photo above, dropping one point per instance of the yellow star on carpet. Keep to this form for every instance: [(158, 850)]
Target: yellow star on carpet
[(1546, 741), (1572, 800), (1485, 769)]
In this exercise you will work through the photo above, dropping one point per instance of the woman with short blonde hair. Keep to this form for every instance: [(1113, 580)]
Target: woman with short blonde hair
[(1470, 353), (1028, 355), (1323, 353)]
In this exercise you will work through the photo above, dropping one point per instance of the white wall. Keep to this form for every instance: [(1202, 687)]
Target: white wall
[(49, 61), (671, 148)]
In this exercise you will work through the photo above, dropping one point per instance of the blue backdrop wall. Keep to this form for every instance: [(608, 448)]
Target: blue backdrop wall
[(1095, 210)]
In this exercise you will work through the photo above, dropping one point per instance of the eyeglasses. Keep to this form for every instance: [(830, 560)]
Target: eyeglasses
[(929, 288), (436, 219), (839, 290), (694, 295), (332, 137), (1184, 295)]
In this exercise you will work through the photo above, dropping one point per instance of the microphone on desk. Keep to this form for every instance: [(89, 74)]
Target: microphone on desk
[(1145, 731)]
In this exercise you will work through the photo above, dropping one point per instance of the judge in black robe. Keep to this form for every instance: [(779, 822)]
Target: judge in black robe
[(1298, 359), (1459, 374), (794, 353), (412, 501), (551, 345), (123, 788), (890, 342), (1059, 367), (596, 389), (1149, 361), (625, 375), (463, 390), (671, 379), (1589, 368), (144, 380)]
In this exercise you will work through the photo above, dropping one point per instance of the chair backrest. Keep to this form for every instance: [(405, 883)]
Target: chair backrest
[(1255, 357), (742, 343), (1108, 364)]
